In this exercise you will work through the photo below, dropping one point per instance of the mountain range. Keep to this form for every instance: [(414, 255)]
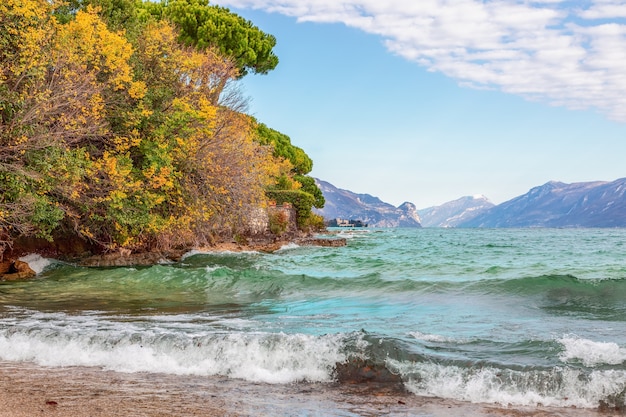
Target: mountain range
[(344, 204), (554, 204)]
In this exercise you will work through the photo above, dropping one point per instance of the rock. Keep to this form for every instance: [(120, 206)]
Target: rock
[(125, 258), (122, 259), (329, 242), (13, 270), (269, 247), (16, 270), (367, 373), (5, 267)]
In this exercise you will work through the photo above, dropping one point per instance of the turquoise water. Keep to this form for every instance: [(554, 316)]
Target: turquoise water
[(521, 317)]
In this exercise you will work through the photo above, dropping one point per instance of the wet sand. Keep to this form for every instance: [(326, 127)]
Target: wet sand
[(27, 390)]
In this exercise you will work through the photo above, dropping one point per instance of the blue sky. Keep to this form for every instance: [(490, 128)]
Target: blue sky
[(433, 100)]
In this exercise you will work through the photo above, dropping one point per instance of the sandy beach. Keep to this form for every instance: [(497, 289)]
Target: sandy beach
[(27, 390)]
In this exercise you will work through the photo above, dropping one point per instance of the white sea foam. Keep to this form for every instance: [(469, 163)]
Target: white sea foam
[(213, 268), (126, 347), (352, 233), (591, 353), (194, 252), (288, 246), (559, 387), (430, 337), (36, 262)]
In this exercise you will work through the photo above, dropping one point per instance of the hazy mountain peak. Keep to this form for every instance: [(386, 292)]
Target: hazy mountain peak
[(479, 197), (410, 212), (455, 212)]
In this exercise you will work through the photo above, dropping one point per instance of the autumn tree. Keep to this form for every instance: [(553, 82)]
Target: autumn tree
[(52, 97), (60, 87), (197, 156), (283, 147), (119, 127), (117, 14)]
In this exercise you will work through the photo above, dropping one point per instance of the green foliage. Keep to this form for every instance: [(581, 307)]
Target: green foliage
[(25, 208), (315, 222), (205, 26), (301, 163), (283, 147), (10, 104), (301, 201), (118, 14), (283, 182), (309, 186)]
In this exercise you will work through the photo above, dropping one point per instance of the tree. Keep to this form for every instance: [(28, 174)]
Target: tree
[(283, 147), (113, 130), (206, 26), (54, 81), (309, 186), (301, 164), (117, 14), (197, 156), (60, 87)]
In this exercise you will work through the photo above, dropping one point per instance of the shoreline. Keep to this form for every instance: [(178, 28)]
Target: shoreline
[(306, 312), (15, 268), (27, 390)]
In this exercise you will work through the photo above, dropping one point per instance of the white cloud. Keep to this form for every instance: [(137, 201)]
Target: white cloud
[(566, 53), (605, 9)]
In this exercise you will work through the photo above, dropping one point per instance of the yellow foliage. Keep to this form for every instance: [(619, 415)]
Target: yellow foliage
[(86, 41), (29, 24), (165, 157), (137, 89)]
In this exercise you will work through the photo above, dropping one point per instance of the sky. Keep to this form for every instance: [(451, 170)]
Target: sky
[(430, 100)]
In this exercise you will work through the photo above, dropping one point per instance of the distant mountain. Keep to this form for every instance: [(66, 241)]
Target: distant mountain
[(344, 204), (455, 212), (556, 204)]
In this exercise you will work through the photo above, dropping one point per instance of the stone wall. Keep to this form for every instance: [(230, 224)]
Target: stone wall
[(258, 222)]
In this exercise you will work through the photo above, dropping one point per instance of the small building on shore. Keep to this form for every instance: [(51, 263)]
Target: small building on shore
[(346, 223)]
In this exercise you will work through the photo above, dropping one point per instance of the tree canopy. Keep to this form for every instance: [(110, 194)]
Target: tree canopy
[(199, 24), (301, 164), (207, 26), (283, 147)]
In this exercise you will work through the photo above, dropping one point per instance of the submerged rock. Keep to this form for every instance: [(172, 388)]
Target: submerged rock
[(330, 242), (125, 258), (365, 371)]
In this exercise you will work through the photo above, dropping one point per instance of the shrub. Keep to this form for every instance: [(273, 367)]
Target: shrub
[(315, 223), (278, 222), (301, 201)]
